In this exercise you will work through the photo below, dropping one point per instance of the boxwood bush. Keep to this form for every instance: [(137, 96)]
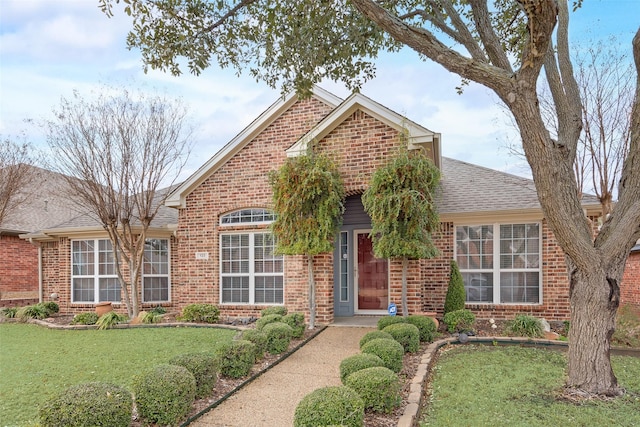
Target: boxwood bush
[(265, 320), (51, 307), (330, 406), (259, 338), (276, 309), (278, 337), (378, 387), (164, 394), (296, 321), (425, 325), (459, 320), (203, 313), (358, 362), (389, 320), (390, 351), (88, 405), (374, 335), (236, 358), (203, 368), (406, 334), (87, 318)]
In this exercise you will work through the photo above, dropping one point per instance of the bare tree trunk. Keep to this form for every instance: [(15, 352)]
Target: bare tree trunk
[(135, 305), (405, 264), (312, 293)]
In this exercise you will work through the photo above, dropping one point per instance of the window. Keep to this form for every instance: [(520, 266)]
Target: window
[(251, 272), (94, 278), (246, 216), (500, 268)]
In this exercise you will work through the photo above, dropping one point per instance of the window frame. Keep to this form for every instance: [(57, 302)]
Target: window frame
[(496, 270), (144, 275)]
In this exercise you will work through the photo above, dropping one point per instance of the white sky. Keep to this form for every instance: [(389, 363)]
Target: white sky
[(50, 48)]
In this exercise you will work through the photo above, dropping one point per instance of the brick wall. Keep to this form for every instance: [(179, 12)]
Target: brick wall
[(18, 270), (630, 289)]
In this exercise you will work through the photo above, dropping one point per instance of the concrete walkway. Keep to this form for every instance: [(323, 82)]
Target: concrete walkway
[(272, 398)]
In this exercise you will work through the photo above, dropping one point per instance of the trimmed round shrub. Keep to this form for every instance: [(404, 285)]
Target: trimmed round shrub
[(389, 320), (259, 338), (51, 307), (203, 368), (378, 387), (88, 405), (374, 335), (296, 321), (390, 351), (88, 318), (425, 325), (236, 358), (459, 320), (202, 313), (276, 309), (327, 406), (278, 337), (358, 362), (406, 334), (164, 394), (265, 320)]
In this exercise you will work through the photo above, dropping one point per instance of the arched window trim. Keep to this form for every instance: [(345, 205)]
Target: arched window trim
[(247, 216)]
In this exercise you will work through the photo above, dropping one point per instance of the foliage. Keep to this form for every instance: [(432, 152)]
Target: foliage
[(158, 310), (296, 321), (36, 311), (425, 325), (372, 335), (236, 358), (358, 362), (406, 334), (525, 326), (86, 318), (9, 312), (150, 317), (164, 394), (278, 337), (385, 321), (110, 319), (327, 406), (88, 405), (459, 320), (259, 338), (378, 387), (456, 295), (203, 368), (265, 320), (51, 307), (390, 351), (201, 313), (275, 309)]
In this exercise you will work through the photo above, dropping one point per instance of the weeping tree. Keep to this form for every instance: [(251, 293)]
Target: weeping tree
[(502, 44), (400, 202), (308, 196)]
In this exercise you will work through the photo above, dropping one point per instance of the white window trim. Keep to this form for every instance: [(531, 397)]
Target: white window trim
[(168, 275), (496, 262), (236, 224), (96, 276)]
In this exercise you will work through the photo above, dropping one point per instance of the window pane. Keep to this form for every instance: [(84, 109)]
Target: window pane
[(235, 289), (83, 290), (155, 289), (83, 258), (478, 286), (156, 256), (264, 255), (344, 267), (247, 216), (109, 289), (474, 247), (519, 246), (106, 264), (269, 290), (521, 287)]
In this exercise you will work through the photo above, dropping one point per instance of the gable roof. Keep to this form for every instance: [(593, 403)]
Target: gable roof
[(177, 198)]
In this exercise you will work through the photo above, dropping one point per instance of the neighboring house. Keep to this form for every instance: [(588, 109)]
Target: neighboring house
[(630, 293), (219, 248)]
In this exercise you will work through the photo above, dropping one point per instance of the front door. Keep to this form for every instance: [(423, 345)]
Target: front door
[(372, 276)]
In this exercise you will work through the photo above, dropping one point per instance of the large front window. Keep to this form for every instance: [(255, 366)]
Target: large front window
[(155, 271), (500, 263)]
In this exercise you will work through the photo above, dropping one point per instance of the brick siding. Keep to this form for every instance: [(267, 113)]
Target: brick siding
[(630, 289), (18, 270)]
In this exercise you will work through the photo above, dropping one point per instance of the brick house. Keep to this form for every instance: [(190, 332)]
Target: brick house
[(218, 248)]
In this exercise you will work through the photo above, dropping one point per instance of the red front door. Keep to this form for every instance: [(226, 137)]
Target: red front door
[(373, 284)]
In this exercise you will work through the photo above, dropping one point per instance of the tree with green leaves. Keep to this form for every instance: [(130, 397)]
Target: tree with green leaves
[(503, 45), (456, 296), (400, 202), (308, 196)]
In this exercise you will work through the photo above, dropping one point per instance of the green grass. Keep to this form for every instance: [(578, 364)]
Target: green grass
[(36, 362), (515, 386)]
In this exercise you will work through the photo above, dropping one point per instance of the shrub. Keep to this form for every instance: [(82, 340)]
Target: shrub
[(459, 320), (164, 395), (526, 326), (390, 351), (110, 319), (236, 358), (158, 310), (203, 368), (389, 320), (9, 312), (278, 337), (202, 313), (37, 311), (151, 317), (378, 387), (358, 362), (374, 335), (87, 318), (51, 307), (456, 295), (330, 406), (425, 325), (296, 321), (265, 320), (406, 334), (259, 338), (88, 405), (276, 309)]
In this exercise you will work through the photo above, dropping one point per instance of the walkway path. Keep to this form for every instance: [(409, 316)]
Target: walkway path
[(272, 398)]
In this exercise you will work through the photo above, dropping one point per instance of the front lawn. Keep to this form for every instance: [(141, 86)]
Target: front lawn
[(515, 386), (36, 362)]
